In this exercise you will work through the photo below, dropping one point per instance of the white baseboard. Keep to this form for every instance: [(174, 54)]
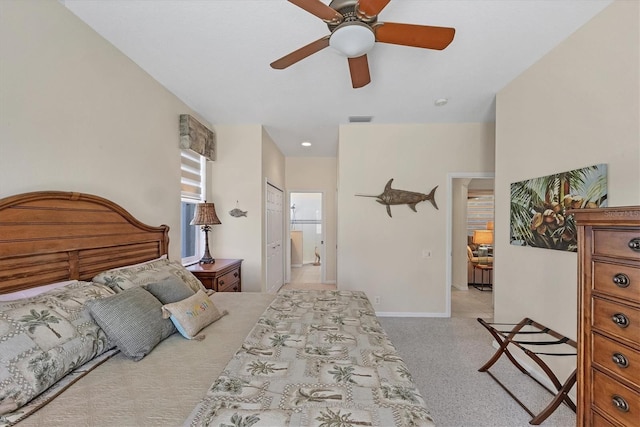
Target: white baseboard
[(409, 314), (329, 282)]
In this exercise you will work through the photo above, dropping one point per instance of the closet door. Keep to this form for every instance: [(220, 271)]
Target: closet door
[(274, 239)]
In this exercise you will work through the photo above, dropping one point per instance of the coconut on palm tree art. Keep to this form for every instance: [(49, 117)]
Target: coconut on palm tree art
[(540, 207)]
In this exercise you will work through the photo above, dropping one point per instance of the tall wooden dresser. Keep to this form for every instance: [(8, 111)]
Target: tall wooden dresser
[(609, 316)]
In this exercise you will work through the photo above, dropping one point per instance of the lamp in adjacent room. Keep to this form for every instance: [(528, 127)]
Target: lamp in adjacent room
[(483, 238), (205, 216)]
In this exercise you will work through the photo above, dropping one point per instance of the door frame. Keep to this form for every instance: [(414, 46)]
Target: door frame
[(287, 228), (449, 258)]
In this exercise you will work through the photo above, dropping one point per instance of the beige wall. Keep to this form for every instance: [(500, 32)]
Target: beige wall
[(247, 158), (318, 174), (576, 107), (236, 176), (382, 255), (77, 115)]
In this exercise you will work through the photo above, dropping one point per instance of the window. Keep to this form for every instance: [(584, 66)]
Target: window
[(192, 186)]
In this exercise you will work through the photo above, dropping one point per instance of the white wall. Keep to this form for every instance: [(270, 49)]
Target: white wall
[(318, 174), (77, 115), (578, 106), (382, 255)]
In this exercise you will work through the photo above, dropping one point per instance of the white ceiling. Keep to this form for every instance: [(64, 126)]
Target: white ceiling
[(215, 56)]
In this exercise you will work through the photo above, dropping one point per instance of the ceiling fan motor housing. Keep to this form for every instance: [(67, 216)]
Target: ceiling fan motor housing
[(348, 9)]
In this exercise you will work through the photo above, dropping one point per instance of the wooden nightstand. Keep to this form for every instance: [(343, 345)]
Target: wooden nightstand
[(221, 276)]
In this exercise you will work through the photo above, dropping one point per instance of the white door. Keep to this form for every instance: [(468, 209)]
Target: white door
[(275, 253)]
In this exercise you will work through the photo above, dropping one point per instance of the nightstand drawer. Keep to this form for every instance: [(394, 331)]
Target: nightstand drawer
[(228, 280), (229, 287)]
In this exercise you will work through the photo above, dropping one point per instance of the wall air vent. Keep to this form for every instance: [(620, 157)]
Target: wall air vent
[(360, 119)]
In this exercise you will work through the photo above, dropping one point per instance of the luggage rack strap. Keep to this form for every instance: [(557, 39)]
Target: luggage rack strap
[(504, 338)]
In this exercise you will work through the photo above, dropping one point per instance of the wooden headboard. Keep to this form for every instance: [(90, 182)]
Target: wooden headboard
[(53, 236)]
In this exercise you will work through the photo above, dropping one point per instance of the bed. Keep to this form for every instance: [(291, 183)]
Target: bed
[(295, 358)]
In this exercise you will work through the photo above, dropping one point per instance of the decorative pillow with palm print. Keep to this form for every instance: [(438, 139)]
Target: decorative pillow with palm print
[(123, 278), (45, 337)]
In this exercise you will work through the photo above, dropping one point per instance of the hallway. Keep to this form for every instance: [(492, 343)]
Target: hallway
[(472, 303)]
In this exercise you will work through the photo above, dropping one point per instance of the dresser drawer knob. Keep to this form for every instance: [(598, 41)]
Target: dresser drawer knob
[(621, 280), (620, 360), (620, 320), (221, 282), (634, 244), (235, 274), (620, 403)]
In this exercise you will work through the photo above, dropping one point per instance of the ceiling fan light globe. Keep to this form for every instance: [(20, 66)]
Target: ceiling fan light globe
[(352, 39)]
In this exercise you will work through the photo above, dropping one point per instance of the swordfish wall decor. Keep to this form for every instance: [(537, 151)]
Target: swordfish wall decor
[(392, 196)]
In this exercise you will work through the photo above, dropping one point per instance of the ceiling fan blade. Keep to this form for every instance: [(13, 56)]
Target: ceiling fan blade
[(414, 35), (300, 54), (319, 9), (370, 8), (359, 69)]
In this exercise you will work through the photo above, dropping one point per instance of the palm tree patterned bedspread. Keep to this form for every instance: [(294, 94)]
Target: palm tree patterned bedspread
[(314, 358)]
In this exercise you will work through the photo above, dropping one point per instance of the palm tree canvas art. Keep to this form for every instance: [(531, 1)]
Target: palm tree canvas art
[(540, 207)]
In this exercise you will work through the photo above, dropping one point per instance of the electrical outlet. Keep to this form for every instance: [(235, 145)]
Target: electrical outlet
[(376, 300), (426, 253)]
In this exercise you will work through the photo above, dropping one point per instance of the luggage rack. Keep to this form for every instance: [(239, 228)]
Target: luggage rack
[(517, 336)]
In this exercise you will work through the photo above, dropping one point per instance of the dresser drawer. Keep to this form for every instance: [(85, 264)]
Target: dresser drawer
[(610, 317), (615, 357), (227, 280), (621, 281), (600, 421), (609, 396), (615, 243)]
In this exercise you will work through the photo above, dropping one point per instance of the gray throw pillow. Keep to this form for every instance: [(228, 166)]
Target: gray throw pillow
[(132, 321), (170, 289)]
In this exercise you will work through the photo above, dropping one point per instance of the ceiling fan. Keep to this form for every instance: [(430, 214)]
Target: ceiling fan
[(354, 30)]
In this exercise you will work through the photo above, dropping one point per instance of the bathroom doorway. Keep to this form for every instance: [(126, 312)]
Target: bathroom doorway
[(306, 231)]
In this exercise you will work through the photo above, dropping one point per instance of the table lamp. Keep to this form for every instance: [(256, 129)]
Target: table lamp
[(205, 215), (483, 238)]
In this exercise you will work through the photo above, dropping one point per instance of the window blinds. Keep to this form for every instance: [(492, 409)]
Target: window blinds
[(191, 175)]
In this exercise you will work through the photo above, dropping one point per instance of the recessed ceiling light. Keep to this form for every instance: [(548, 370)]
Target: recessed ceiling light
[(441, 102), (306, 144)]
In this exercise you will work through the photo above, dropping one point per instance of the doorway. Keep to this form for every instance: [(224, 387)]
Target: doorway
[(467, 191), (306, 234)]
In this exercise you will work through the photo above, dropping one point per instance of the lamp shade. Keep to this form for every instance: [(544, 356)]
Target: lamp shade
[(483, 237), (489, 225), (205, 214)]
